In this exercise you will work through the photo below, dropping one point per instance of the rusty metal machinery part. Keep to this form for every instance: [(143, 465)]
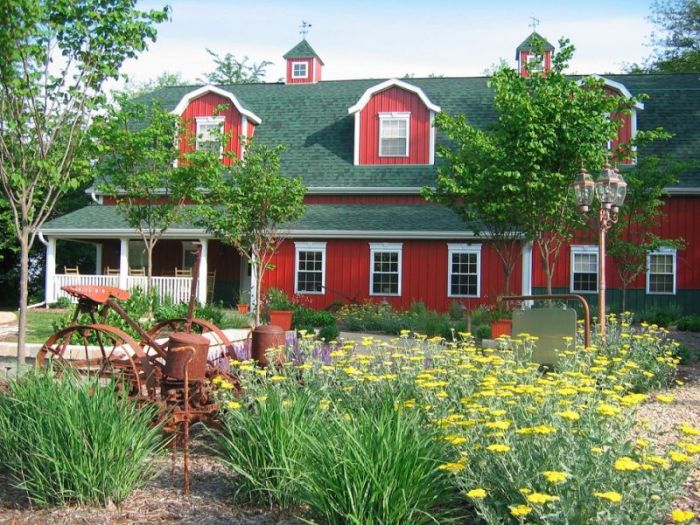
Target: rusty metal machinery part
[(163, 329), (103, 351)]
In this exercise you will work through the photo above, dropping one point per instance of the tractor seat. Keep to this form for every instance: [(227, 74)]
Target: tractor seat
[(96, 294)]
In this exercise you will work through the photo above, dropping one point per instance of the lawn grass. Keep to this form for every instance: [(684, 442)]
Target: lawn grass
[(40, 324)]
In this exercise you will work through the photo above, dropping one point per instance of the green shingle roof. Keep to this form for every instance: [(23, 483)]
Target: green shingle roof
[(302, 50), (346, 218), (312, 120), (528, 44)]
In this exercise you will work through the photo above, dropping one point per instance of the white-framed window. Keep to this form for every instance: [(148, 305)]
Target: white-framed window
[(584, 269), (385, 268), (463, 270), (535, 63), (394, 131), (209, 130), (138, 255), (300, 69), (661, 271), (310, 272)]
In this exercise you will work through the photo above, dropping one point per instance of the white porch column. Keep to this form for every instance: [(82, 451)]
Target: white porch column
[(527, 272), (203, 270), (98, 258), (253, 286), (50, 284), (123, 262)]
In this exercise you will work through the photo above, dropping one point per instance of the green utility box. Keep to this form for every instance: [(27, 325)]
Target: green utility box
[(550, 325)]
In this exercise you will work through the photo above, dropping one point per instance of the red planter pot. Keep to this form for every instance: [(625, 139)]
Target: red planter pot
[(243, 308), (281, 318), (501, 327)]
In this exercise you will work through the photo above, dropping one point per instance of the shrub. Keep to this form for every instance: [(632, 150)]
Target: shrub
[(482, 331), (308, 318), (660, 315), (61, 302), (689, 323), (70, 439), (329, 332), (277, 299)]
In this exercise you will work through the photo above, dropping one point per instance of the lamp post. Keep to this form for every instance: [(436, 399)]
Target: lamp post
[(610, 189)]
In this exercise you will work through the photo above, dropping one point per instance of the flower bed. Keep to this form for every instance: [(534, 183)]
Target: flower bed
[(419, 430)]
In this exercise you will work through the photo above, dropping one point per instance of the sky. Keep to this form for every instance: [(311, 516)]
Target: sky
[(383, 39)]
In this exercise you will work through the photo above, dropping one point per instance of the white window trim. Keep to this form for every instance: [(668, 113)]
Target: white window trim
[(310, 247), (384, 247), (209, 120), (306, 69), (395, 116), (463, 248), (662, 251), (583, 249)]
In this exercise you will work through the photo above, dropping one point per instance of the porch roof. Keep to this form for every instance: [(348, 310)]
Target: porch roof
[(428, 221)]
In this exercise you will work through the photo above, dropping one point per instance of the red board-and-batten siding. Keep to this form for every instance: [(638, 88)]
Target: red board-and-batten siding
[(313, 70), (679, 219), (424, 274), (397, 100), (205, 106)]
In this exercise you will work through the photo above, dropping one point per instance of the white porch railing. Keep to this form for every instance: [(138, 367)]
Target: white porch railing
[(175, 288)]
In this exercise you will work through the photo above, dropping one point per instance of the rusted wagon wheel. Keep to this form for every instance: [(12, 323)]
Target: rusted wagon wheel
[(101, 351), (163, 329)]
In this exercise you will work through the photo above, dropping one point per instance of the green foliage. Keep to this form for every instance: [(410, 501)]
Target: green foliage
[(230, 70), (676, 39), (329, 332), (660, 315), (514, 178), (308, 318), (70, 439), (61, 302), (689, 323), (254, 199), (277, 299)]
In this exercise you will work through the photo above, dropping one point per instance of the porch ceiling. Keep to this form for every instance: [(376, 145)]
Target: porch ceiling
[(319, 220)]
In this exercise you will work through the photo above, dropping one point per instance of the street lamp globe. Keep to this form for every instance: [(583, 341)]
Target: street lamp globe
[(584, 188), (609, 187)]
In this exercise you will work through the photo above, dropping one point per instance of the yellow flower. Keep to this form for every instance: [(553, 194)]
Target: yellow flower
[(477, 493), (690, 448), (642, 443), (679, 457), (597, 450), (570, 415), (605, 409), (685, 428), (665, 398), (612, 496), (277, 378), (324, 404), (498, 447), (539, 498), (498, 425), (226, 385), (455, 440), (554, 476), (626, 464), (520, 510), (232, 405), (452, 467), (682, 516)]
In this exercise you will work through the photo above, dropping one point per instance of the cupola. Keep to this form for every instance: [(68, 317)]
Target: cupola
[(303, 64), (527, 51)]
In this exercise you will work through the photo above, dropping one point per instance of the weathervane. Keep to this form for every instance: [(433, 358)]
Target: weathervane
[(534, 22), (304, 29)]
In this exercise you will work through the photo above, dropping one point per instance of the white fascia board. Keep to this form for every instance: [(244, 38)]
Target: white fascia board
[(393, 82), (617, 86), (73, 233), (185, 101), (377, 234), (682, 191)]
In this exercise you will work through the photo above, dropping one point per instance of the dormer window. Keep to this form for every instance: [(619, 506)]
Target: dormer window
[(535, 63), (209, 134), (393, 134), (300, 69)]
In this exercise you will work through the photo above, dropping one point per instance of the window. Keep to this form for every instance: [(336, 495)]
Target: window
[(209, 131), (584, 269), (393, 134), (310, 275), (535, 62), (138, 255), (463, 270), (385, 273), (661, 271), (300, 69)]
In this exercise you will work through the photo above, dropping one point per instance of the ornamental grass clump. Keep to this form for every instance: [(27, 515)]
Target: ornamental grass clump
[(71, 439), (517, 443)]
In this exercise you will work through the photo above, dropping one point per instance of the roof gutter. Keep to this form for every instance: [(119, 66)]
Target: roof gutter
[(683, 191)]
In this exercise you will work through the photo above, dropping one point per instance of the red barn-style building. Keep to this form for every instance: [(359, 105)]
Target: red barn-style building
[(364, 149)]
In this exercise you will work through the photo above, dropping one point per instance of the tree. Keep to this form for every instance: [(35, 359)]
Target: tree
[(515, 177), (229, 70), (138, 164), (677, 39), (630, 239), (165, 79), (252, 200), (54, 58)]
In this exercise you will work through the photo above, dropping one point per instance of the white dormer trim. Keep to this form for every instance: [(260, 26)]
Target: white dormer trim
[(394, 82), (189, 97), (617, 86)]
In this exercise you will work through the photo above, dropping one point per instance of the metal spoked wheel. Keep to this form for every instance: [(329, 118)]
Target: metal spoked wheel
[(100, 351)]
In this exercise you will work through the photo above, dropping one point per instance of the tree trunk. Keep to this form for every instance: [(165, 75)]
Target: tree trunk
[(23, 299), (258, 283), (149, 270), (623, 284)]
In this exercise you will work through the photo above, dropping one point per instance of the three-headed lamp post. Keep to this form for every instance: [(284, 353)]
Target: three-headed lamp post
[(610, 189)]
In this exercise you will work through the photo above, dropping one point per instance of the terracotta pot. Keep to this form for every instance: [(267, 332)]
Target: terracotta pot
[(501, 327), (281, 318), (243, 308)]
